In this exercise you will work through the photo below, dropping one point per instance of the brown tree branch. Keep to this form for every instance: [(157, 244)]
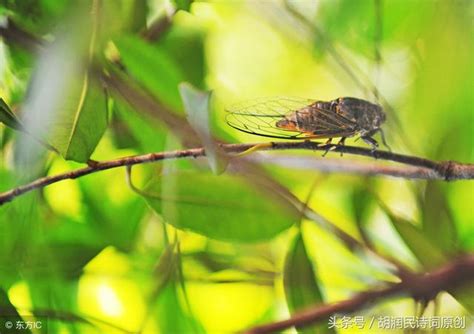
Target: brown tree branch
[(14, 34), (347, 166), (445, 170), (424, 168), (423, 286)]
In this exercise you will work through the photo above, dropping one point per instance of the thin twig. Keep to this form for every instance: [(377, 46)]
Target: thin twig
[(13, 33), (158, 27), (337, 165), (423, 286), (444, 170), (447, 170)]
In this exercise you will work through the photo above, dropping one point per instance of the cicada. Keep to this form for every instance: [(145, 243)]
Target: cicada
[(296, 118)]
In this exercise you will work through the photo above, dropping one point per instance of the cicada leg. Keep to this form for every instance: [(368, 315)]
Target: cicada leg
[(371, 141), (383, 140), (341, 142), (328, 148), (254, 148)]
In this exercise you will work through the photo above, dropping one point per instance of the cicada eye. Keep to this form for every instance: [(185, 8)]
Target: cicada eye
[(379, 115), (382, 116)]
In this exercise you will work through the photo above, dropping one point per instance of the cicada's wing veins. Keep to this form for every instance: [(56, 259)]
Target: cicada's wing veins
[(260, 117), (320, 121)]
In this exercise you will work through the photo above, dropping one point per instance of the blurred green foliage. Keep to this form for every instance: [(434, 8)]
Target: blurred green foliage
[(180, 249)]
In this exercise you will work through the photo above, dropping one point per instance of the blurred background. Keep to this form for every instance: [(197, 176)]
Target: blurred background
[(172, 247)]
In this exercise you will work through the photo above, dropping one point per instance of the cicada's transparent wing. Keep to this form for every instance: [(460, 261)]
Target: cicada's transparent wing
[(259, 117), (313, 120)]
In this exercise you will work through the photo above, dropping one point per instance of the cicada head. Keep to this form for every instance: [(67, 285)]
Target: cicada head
[(378, 117)]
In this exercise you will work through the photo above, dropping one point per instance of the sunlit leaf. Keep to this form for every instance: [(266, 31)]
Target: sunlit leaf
[(441, 106), (39, 18), (71, 246), (132, 14), (171, 311), (428, 253), (131, 127), (211, 261), (362, 199), (438, 224), (19, 231), (336, 19), (81, 123), (167, 264), (171, 315), (63, 107), (301, 287), (152, 67), (183, 4), (463, 295), (65, 260), (48, 291), (197, 108), (354, 23), (184, 41), (9, 314), (115, 223), (221, 207)]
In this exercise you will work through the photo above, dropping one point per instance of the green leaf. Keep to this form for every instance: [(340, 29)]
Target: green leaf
[(115, 223), (153, 68), (65, 260), (184, 42), (221, 207), (428, 253), (463, 295), (7, 117), (171, 315), (197, 108), (63, 107), (131, 128), (183, 4), (132, 14), (166, 267), (70, 246), (81, 123), (301, 288), (362, 199), (438, 224), (47, 292), (358, 36), (354, 23)]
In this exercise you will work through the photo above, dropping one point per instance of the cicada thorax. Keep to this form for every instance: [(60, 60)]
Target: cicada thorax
[(368, 116)]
